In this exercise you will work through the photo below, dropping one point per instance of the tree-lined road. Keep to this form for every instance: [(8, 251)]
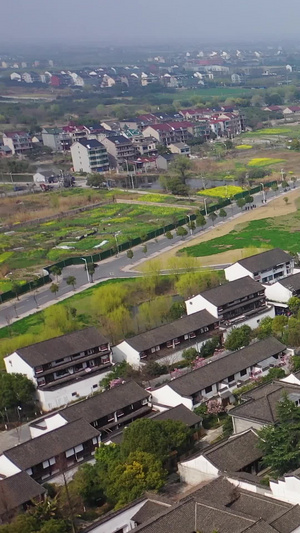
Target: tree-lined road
[(114, 267)]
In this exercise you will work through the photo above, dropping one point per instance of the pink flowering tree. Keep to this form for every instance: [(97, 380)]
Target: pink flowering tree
[(215, 407)]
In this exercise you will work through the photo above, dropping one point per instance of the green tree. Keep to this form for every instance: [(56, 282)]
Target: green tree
[(286, 200), (249, 199), (189, 355), (238, 337), (16, 289), (181, 231), (15, 390), (208, 348), (280, 442), (181, 167), (169, 235), (295, 363), (95, 180), (55, 526), (88, 485), (241, 203), (56, 271), (279, 324), (54, 288), (200, 220), (71, 280), (177, 187), (176, 311), (128, 480), (222, 213), (213, 217), (129, 254), (157, 437), (265, 328), (145, 249), (294, 305), (274, 187), (295, 145), (91, 271)]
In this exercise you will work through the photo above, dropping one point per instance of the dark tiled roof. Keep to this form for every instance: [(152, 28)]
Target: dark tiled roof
[(51, 444), (168, 332), (234, 290), (149, 510), (258, 506), (265, 260), (262, 402), (289, 521), (16, 490), (91, 143), (180, 414), (119, 139), (211, 518), (223, 367), (291, 282), (219, 490), (46, 351), (235, 453), (180, 518), (105, 403)]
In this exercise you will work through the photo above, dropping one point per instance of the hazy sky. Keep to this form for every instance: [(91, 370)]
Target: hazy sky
[(157, 21)]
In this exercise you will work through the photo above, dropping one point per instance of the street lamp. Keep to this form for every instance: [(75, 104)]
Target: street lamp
[(263, 191), (116, 239), (87, 272), (190, 223), (205, 206)]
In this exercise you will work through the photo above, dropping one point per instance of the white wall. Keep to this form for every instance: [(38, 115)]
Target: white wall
[(240, 425), (287, 489), (198, 303), (167, 396), (80, 158), (122, 520), (57, 398), (197, 470), (124, 351), (14, 364), (277, 293), (7, 468), (252, 322), (236, 271), (47, 424)]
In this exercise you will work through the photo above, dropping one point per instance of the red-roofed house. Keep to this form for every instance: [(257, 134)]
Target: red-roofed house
[(291, 110)]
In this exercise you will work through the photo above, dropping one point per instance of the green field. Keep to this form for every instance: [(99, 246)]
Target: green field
[(281, 232), (38, 245), (207, 92)]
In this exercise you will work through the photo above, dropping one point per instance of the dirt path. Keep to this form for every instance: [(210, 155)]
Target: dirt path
[(274, 208)]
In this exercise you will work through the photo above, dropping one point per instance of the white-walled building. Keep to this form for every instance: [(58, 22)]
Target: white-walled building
[(165, 344), (266, 267), (239, 302), (239, 453), (284, 289), (89, 155), (220, 376), (63, 368)]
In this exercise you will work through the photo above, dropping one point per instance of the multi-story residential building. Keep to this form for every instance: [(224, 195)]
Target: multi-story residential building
[(281, 291), (145, 146), (120, 150), (63, 368), (53, 453), (108, 412), (240, 301), (19, 142), (89, 155), (180, 149), (75, 132), (266, 267), (56, 138), (166, 343), (31, 77), (169, 132), (220, 376)]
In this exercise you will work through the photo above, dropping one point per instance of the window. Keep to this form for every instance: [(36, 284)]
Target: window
[(78, 448), (29, 471), (95, 440), (38, 369), (208, 389), (41, 381), (105, 359), (74, 393), (95, 386), (230, 378), (103, 348), (49, 462), (70, 452), (243, 372)]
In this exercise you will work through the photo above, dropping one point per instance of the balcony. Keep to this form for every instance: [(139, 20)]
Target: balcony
[(69, 364)]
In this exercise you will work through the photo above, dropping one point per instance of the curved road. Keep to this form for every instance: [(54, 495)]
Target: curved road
[(114, 267)]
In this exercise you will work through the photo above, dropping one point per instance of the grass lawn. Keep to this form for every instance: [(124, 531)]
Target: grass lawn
[(221, 192), (282, 232), (269, 131)]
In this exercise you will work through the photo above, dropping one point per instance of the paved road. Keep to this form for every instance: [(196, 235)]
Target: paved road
[(114, 267)]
